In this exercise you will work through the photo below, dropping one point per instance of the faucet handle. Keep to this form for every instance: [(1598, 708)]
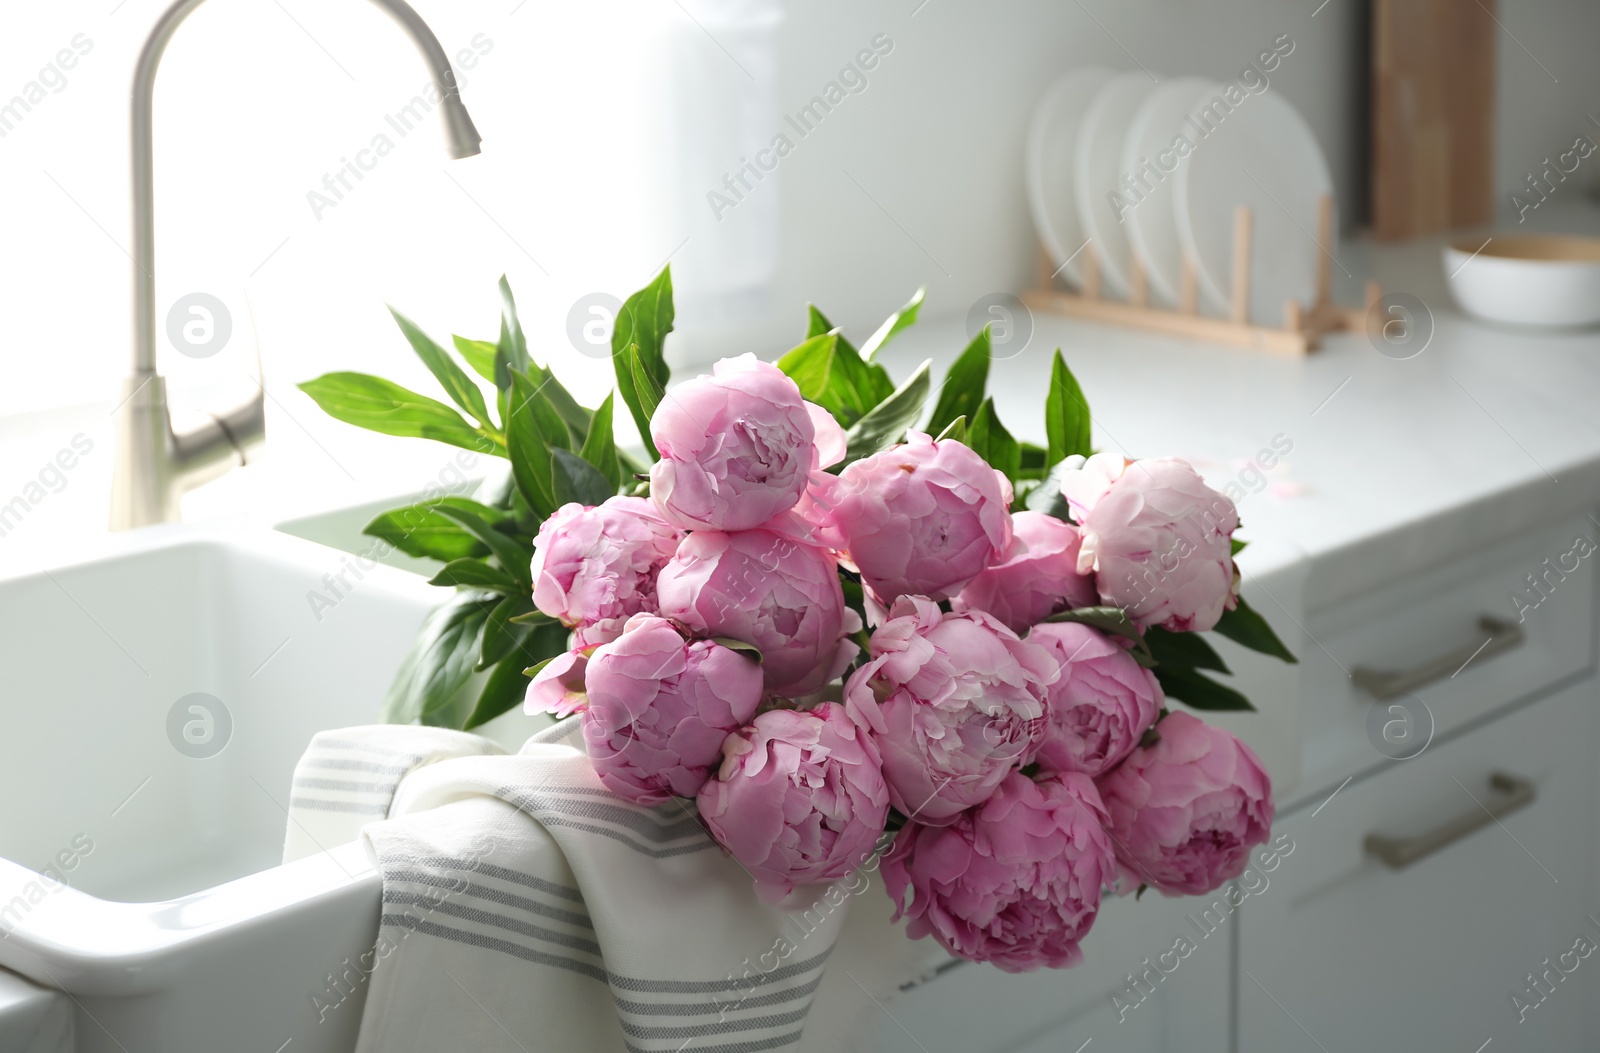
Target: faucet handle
[(229, 439), (239, 431)]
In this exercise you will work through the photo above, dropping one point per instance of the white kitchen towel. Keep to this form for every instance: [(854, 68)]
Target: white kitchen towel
[(526, 906), (346, 779)]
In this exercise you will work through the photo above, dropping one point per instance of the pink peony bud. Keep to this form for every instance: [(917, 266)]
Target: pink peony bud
[(660, 708), (774, 592), (1157, 539), (1035, 578), (923, 518), (1016, 881), (737, 447), (799, 800), (558, 686), (593, 568), (1101, 705), (1186, 811), (955, 701)]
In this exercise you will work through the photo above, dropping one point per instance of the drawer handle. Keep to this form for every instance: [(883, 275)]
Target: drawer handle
[(1381, 684), (1511, 793)]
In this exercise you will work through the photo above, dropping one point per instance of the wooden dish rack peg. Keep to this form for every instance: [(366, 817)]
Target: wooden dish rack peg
[(1303, 325)]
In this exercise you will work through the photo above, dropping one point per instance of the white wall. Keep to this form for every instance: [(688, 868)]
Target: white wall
[(937, 137), (605, 126), (1548, 83)]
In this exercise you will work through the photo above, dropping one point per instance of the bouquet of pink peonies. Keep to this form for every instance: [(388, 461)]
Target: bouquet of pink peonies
[(838, 621)]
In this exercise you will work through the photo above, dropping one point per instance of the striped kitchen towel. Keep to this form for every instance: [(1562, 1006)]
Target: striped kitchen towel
[(525, 906), (347, 778)]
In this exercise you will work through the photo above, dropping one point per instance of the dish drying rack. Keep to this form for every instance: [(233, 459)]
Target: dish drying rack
[(1303, 328)]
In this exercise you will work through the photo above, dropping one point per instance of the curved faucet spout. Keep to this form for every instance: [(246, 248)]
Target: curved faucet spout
[(155, 464), (461, 137)]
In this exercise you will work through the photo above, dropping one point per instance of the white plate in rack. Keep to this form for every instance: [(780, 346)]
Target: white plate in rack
[(1262, 154), (1098, 172), (1051, 140), (1152, 152)]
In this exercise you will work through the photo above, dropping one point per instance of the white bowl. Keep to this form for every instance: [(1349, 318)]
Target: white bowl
[(1550, 280)]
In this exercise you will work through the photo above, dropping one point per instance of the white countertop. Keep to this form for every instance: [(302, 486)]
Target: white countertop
[(1396, 464)]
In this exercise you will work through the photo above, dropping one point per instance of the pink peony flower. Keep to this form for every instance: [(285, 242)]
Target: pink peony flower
[(737, 447), (1036, 576), (799, 800), (765, 589), (1157, 539), (558, 687), (921, 518), (1016, 881), (1101, 705), (595, 567), (660, 708), (955, 701), (1186, 812)]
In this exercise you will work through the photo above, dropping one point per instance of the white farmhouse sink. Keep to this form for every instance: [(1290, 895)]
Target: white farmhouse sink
[(157, 699), (158, 696)]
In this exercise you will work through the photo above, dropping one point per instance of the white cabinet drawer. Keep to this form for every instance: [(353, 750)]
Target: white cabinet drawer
[(1435, 619), (1345, 952)]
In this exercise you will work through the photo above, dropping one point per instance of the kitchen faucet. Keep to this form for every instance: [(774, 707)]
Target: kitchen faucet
[(155, 465)]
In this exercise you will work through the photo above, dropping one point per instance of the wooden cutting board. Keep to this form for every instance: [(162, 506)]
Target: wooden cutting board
[(1433, 82)]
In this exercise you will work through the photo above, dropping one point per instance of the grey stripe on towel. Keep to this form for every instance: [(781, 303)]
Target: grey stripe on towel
[(615, 835), (489, 918), (635, 819), (311, 760), (721, 1027), (324, 742), (486, 869), (490, 895), (753, 1046), (362, 808), (348, 785), (475, 939)]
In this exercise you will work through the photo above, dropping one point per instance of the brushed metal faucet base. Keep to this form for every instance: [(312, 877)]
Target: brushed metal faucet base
[(155, 465)]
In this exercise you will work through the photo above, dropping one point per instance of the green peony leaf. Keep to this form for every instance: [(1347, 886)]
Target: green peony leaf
[(474, 574), (462, 389), (511, 354), (575, 479), (816, 322), (1046, 497), (809, 364), (956, 431), (648, 393), (384, 406), (887, 422), (508, 683), (1066, 414), (962, 391), (528, 446), (1183, 650), (1198, 691), (644, 321), (513, 556), (440, 661), (501, 634), (422, 530), (1113, 620), (990, 440), (892, 326), (830, 373), (1247, 628), (478, 355), (1034, 461), (600, 446)]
